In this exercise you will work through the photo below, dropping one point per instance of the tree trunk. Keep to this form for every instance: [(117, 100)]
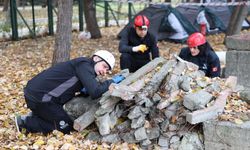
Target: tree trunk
[(63, 34), (236, 19), (90, 18), (5, 5), (6, 11)]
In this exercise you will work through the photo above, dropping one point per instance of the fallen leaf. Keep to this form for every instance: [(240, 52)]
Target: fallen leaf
[(238, 121)]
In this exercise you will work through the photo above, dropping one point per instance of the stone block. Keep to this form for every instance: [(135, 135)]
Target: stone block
[(140, 134), (94, 136), (191, 141), (245, 96), (226, 135), (196, 100), (237, 64), (123, 126), (138, 122), (238, 42), (163, 141), (112, 138), (128, 137), (153, 133)]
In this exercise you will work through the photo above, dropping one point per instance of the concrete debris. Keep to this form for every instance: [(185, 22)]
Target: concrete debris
[(157, 106), (197, 100)]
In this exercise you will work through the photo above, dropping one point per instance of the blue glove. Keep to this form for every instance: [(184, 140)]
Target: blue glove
[(118, 78), (84, 91)]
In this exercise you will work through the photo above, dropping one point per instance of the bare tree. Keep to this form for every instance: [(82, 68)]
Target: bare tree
[(63, 35), (90, 18), (6, 12), (5, 5)]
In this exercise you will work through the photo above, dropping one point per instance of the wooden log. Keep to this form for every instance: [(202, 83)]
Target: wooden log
[(86, 119), (135, 76), (111, 103), (79, 105), (171, 84), (124, 92), (144, 70), (166, 102), (85, 108), (106, 98), (128, 92), (156, 81), (101, 111)]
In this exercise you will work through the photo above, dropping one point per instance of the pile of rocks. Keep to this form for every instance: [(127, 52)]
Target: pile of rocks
[(155, 106)]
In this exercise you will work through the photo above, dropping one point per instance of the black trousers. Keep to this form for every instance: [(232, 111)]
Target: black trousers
[(47, 117), (128, 61)]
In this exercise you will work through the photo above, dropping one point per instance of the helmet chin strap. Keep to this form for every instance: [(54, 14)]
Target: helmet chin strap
[(95, 62)]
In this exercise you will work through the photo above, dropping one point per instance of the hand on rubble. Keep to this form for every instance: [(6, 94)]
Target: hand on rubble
[(140, 48), (111, 87)]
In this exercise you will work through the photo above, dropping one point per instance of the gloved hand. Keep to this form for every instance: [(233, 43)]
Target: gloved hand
[(118, 78), (140, 48), (84, 91)]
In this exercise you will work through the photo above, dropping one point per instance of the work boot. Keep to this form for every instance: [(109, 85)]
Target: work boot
[(20, 122)]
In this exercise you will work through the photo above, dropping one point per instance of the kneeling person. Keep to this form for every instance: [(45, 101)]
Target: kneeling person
[(47, 92), (137, 44)]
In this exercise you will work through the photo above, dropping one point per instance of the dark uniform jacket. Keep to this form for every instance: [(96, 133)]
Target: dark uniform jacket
[(131, 39), (61, 82), (207, 61)]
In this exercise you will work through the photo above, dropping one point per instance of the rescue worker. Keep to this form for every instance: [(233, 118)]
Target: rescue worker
[(201, 53), (137, 44), (47, 92)]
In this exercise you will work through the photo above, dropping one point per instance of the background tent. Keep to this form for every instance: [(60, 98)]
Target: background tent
[(176, 24), (177, 29), (216, 17)]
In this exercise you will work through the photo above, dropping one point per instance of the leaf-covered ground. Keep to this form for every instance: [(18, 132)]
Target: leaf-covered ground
[(22, 60)]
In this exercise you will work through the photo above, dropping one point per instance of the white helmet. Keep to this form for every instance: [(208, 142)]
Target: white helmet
[(107, 57)]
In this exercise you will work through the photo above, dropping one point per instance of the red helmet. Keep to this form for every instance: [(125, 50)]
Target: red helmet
[(141, 21), (196, 39)]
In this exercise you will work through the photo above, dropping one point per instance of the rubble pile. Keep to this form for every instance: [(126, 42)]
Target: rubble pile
[(159, 105)]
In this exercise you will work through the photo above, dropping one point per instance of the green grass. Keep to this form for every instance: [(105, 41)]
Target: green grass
[(5, 27)]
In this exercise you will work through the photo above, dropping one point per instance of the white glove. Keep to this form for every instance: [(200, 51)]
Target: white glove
[(142, 48), (136, 48)]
